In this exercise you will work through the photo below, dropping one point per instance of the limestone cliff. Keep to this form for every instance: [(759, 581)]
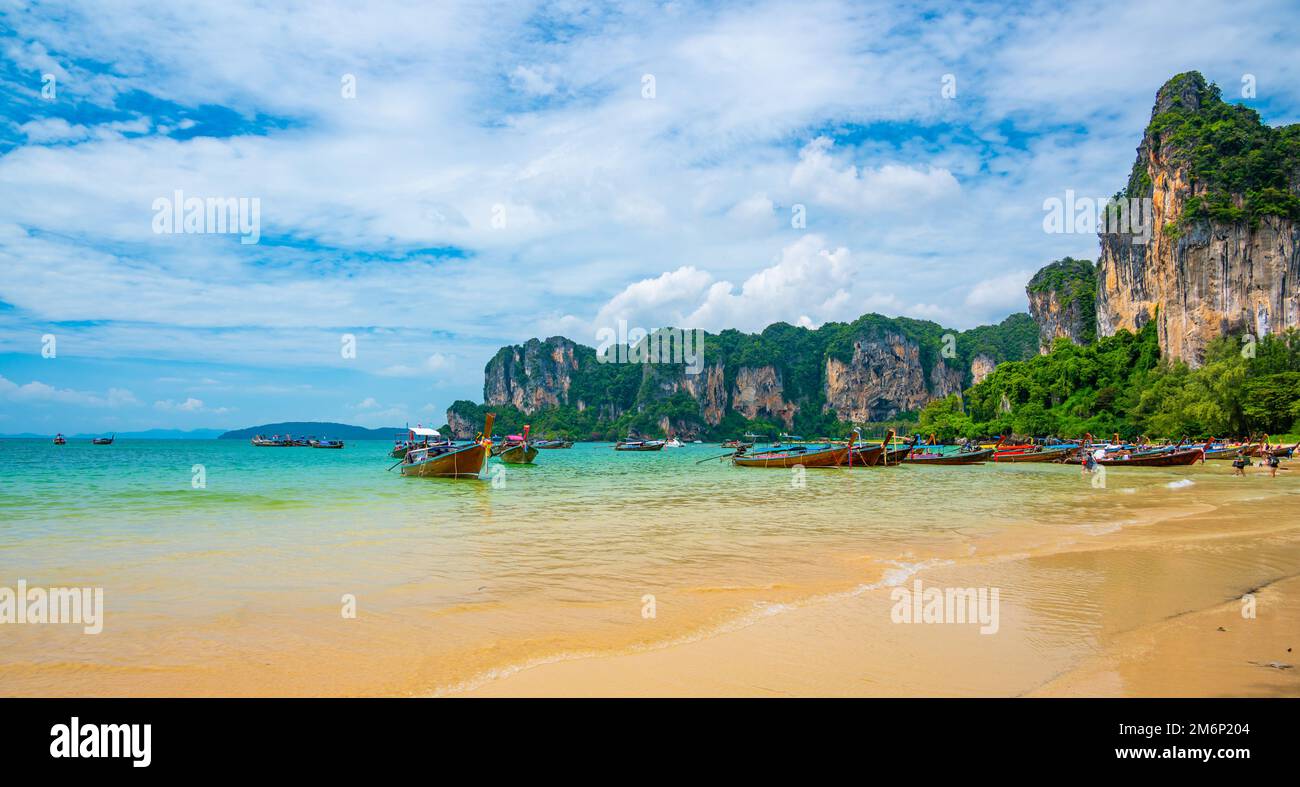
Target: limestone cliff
[(1063, 301), (790, 378), (1224, 255), (531, 376)]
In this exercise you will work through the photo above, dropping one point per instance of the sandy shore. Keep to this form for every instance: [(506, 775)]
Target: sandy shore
[(1152, 610)]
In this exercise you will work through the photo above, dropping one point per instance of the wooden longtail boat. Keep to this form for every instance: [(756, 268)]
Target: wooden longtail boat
[(102, 440), (59, 439), (336, 444), (639, 445), (553, 444), (1175, 457), (867, 454), (466, 461), (419, 437), (516, 449), (898, 454), (737, 444), (1033, 453), (920, 457), (797, 457)]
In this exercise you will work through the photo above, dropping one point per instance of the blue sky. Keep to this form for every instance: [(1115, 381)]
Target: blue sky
[(503, 173)]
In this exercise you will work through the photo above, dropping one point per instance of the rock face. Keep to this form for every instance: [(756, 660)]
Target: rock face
[(1063, 301), (758, 392), (798, 379), (981, 366), (531, 376), (1224, 255), (884, 378)]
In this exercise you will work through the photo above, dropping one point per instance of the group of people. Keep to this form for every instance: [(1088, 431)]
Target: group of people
[(1241, 461)]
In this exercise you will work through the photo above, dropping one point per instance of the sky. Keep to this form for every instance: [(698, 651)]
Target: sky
[(430, 182)]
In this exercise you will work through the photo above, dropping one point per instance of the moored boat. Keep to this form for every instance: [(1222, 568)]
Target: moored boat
[(797, 456), (275, 441), (336, 444), (59, 439), (450, 461), (102, 440), (926, 456), (639, 445), (1162, 457), (1031, 453), (553, 444), (516, 449), (417, 437), (867, 454)]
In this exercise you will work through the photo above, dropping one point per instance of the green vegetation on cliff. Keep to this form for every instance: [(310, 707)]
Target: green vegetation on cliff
[(622, 398), (1245, 168), (1075, 283), (1120, 384)]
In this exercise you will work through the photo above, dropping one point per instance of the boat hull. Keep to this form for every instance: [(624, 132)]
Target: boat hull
[(518, 455), (1029, 456), (968, 458), (864, 456), (461, 463), (1186, 456), (830, 457), (640, 447)]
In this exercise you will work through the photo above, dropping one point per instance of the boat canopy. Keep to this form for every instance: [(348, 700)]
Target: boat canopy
[(424, 431)]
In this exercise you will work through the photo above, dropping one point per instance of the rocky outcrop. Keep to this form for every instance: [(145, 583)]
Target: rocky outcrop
[(531, 376), (883, 378), (758, 392), (981, 366), (1224, 256), (461, 427), (799, 379), (1063, 301)]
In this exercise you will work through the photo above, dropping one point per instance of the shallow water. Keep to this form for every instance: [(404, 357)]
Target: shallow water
[(238, 587)]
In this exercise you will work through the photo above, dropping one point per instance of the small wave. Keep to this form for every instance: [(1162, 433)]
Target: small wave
[(1180, 484)]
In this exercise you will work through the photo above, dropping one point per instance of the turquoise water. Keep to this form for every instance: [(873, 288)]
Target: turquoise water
[(479, 575)]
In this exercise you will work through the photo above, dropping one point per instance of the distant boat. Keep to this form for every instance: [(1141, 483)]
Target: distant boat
[(516, 449), (102, 440), (553, 444), (59, 439), (1032, 453), (639, 445), (673, 443), (450, 461), (275, 441), (326, 443), (736, 444)]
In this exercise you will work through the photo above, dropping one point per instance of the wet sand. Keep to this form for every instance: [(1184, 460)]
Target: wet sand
[(1154, 610)]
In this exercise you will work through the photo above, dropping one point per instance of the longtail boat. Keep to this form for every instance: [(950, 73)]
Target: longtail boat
[(59, 439), (451, 461), (867, 454), (419, 437), (639, 445), (553, 444), (102, 440), (898, 454), (1032, 453), (1163, 457), (923, 456), (275, 441), (516, 449), (737, 444), (799, 456), (336, 444)]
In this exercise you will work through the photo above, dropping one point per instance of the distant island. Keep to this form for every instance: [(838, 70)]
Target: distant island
[(316, 429)]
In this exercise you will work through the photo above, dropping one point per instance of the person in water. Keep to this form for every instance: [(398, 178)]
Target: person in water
[(1239, 463), (1272, 462)]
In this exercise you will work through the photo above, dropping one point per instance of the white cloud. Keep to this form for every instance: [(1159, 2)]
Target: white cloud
[(891, 188), (39, 392)]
